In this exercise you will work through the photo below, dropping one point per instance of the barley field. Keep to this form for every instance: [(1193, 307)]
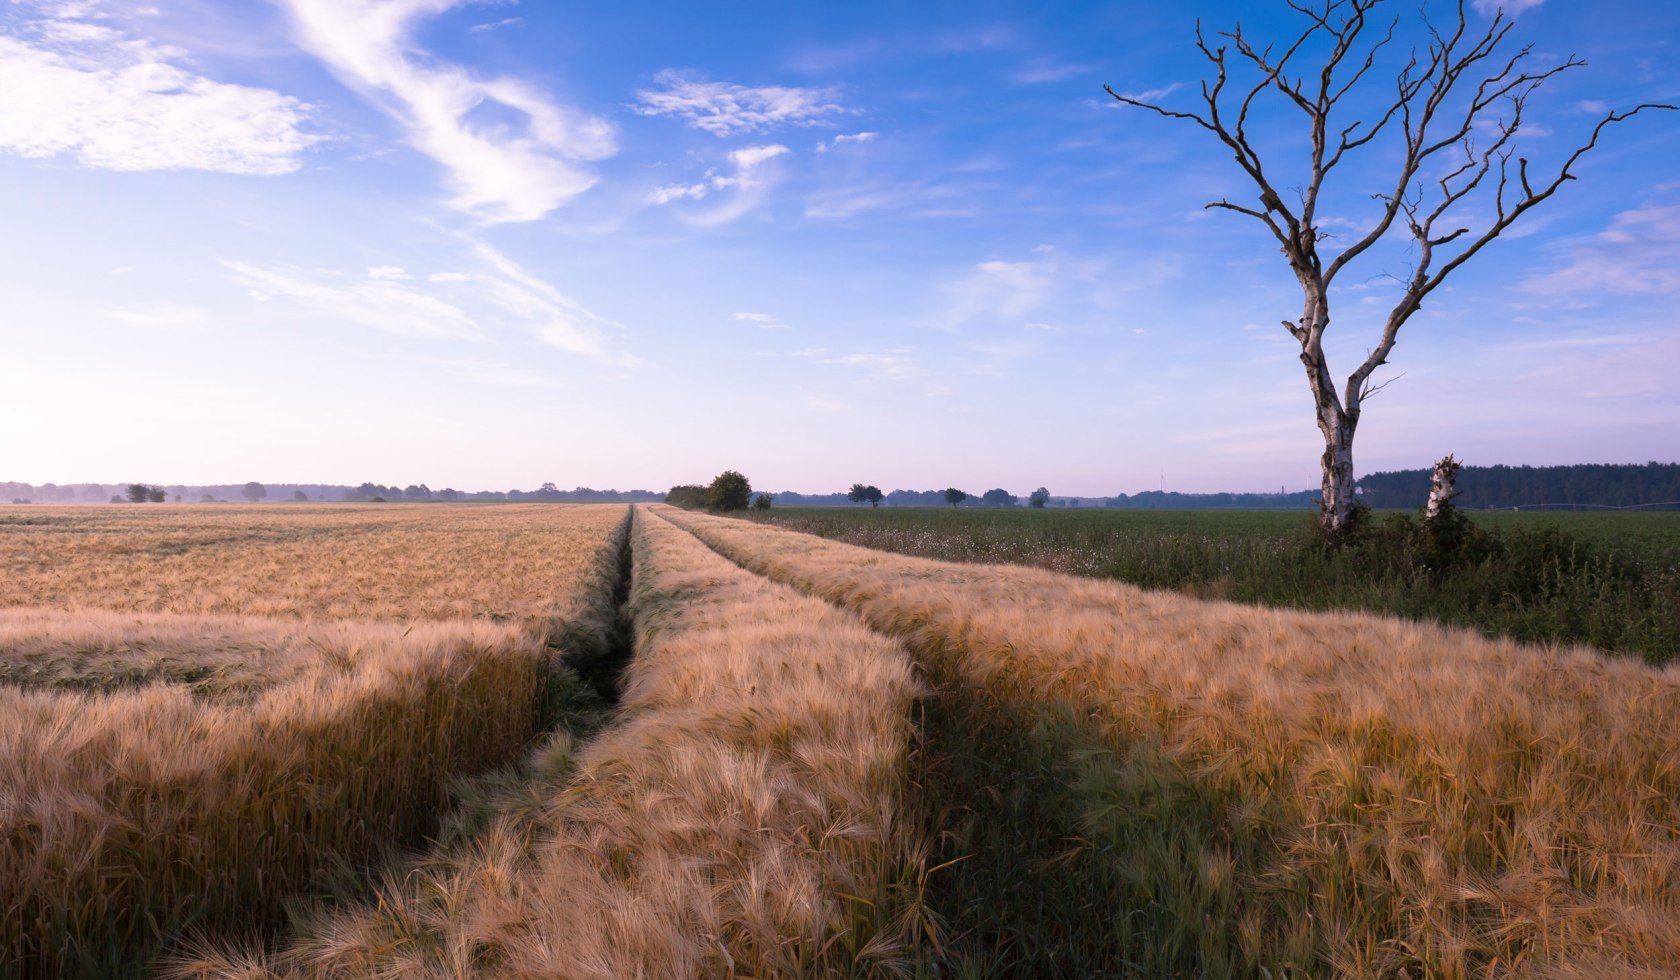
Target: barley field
[(212, 712), (1228, 790), (596, 741), (1611, 580)]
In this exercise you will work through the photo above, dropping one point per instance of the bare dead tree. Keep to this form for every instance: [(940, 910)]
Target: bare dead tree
[(1455, 112)]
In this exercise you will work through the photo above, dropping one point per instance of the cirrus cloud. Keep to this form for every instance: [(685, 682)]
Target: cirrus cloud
[(497, 175), (727, 109)]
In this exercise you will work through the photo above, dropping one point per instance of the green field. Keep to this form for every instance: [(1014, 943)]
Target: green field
[(1607, 579)]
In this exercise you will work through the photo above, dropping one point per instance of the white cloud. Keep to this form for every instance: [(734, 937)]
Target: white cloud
[(120, 103), (677, 192), (763, 321), (551, 316), (750, 181), (845, 138), (383, 304), (1147, 95), (496, 25), (464, 306), (1046, 70), (1488, 8), (1005, 289), (499, 173), (727, 109), (160, 316), (1635, 255), (892, 364)]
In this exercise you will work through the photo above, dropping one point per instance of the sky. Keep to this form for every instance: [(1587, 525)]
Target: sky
[(494, 244)]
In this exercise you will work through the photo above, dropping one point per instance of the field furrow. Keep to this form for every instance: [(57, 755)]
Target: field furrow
[(740, 816), (1202, 788)]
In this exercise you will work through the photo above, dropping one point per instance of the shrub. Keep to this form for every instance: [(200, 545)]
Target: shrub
[(729, 491), (688, 496)]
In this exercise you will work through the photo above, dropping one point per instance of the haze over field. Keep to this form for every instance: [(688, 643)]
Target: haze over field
[(496, 244)]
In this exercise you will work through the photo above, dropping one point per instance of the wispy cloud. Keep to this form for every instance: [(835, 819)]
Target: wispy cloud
[(496, 25), (1488, 8), (77, 86), (727, 109), (891, 364), (1147, 95), (1047, 70), (498, 173), (500, 294), (999, 288), (160, 316), (750, 182), (763, 321), (384, 304), (1635, 255), (552, 317), (846, 139)]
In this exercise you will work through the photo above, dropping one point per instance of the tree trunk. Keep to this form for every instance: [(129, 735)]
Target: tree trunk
[(1337, 494), (1442, 486)]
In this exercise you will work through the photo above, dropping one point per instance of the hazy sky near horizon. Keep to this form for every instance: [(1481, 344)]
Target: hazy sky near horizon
[(492, 244)]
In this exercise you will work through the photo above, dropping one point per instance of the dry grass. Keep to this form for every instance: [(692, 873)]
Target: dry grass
[(221, 657), (1288, 794), (740, 817), (128, 817), (337, 561)]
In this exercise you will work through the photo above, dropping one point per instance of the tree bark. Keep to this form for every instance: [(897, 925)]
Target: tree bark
[(1337, 424), (1442, 486)]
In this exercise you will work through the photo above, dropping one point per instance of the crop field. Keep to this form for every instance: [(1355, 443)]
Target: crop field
[(573, 741), (1608, 579), (1167, 787), (211, 712)]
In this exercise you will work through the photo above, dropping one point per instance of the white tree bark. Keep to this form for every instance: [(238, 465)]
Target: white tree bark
[(1442, 486)]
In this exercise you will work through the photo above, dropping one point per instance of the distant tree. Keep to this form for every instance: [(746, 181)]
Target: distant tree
[(417, 492), (449, 493), (762, 502), (729, 491), (998, 497), (155, 495), (688, 496), (254, 491), (874, 495), (137, 493), (858, 493), (116, 498), (953, 496), (299, 495), (206, 498), (1038, 498), (177, 498), (377, 500)]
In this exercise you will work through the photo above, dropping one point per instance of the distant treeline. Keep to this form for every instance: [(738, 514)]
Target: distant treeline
[(1584, 485), (99, 493)]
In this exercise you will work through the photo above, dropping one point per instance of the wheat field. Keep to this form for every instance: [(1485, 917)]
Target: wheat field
[(817, 760), (1294, 794), (278, 715), (742, 815)]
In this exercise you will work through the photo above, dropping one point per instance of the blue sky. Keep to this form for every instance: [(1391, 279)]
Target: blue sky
[(489, 245)]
